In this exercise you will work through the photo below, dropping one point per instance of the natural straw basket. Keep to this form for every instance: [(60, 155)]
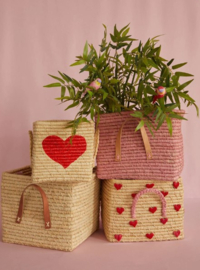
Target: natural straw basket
[(74, 211), (142, 210), (126, 154), (57, 158)]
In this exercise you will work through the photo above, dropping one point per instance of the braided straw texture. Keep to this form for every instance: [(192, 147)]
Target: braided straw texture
[(74, 211), (147, 223), (167, 151), (44, 166)]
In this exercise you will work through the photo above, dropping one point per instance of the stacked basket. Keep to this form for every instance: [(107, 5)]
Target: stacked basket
[(142, 194), (61, 181)]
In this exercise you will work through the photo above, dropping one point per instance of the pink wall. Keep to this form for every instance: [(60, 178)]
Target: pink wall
[(40, 37)]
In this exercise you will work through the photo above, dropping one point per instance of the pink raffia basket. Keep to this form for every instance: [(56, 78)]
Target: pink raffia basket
[(126, 154)]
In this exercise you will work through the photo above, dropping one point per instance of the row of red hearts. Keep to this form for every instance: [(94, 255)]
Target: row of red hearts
[(118, 237), (120, 210), (175, 185)]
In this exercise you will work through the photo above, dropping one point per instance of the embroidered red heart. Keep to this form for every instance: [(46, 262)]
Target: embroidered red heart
[(163, 220), (152, 209), (176, 184), (176, 233), (164, 193), (118, 237), (64, 152), (150, 235), (133, 223), (149, 185), (177, 207), (133, 195), (120, 210), (118, 186)]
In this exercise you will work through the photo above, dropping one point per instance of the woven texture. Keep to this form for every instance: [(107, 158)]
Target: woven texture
[(167, 151), (149, 224), (74, 211), (56, 158)]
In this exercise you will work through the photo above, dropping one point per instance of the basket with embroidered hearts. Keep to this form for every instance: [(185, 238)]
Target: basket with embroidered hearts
[(126, 154), (50, 216), (58, 156), (140, 210)]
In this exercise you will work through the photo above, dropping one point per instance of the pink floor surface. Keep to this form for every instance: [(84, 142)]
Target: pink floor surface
[(97, 253)]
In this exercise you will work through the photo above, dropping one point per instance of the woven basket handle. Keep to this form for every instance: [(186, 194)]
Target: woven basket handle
[(149, 190), (145, 141), (45, 206)]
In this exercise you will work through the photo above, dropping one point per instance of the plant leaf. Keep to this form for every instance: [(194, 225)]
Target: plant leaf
[(85, 50), (169, 124), (182, 86), (53, 85), (183, 74), (57, 78), (170, 89), (186, 96), (179, 65), (141, 124), (63, 90), (74, 104), (80, 62), (161, 121)]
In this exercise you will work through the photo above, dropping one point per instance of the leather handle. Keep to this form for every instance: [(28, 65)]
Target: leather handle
[(144, 138), (96, 145), (47, 219), (149, 190), (31, 143)]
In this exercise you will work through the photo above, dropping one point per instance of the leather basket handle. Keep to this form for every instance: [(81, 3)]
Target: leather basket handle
[(47, 219), (149, 190), (145, 141), (96, 145), (31, 143)]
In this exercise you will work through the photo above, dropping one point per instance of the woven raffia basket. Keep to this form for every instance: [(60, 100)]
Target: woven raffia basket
[(126, 154), (140, 210), (57, 156), (72, 215)]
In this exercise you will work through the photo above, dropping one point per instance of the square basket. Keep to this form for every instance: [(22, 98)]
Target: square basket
[(60, 216), (140, 210), (126, 154), (58, 156)]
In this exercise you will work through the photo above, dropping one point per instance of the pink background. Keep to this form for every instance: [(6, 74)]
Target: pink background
[(42, 36)]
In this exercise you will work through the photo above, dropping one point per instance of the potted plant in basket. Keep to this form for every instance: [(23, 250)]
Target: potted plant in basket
[(127, 82)]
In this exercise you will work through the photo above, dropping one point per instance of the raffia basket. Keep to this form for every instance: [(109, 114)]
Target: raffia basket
[(72, 214), (126, 154), (140, 210), (57, 156)]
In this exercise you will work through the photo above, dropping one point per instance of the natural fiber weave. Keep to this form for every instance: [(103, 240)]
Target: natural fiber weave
[(167, 151), (74, 211), (78, 155), (118, 194)]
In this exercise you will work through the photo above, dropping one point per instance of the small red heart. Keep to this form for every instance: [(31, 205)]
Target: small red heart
[(118, 237), (133, 195), (177, 207), (163, 220), (133, 223), (150, 235), (152, 209), (176, 184), (164, 193), (176, 233), (120, 210), (118, 186), (149, 185)]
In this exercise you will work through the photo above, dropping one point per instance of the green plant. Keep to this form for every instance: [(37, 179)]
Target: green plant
[(129, 78)]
